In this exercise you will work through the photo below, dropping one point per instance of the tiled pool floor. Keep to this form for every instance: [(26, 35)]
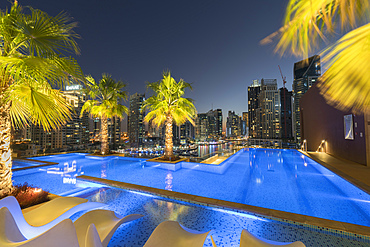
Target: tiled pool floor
[(226, 225)]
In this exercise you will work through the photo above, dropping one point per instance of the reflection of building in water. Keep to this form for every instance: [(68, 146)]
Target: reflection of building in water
[(168, 181), (255, 169), (103, 173), (173, 210), (68, 172)]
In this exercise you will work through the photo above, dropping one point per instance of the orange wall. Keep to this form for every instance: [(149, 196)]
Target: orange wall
[(320, 121)]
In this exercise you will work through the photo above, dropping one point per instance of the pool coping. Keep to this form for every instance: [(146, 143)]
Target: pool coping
[(273, 214), (45, 163)]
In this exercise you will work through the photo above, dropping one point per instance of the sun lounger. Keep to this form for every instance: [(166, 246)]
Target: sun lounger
[(61, 235), (248, 239), (46, 216), (84, 232), (106, 223), (172, 234)]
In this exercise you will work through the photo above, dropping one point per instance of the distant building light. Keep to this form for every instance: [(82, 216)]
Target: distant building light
[(73, 87)]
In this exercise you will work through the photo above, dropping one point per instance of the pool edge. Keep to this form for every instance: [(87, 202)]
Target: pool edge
[(340, 173), (308, 221)]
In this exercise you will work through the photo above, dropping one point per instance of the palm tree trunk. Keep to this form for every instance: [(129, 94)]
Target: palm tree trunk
[(169, 144), (6, 185), (104, 135)]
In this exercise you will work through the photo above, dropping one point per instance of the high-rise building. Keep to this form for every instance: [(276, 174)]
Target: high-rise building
[(214, 127), (253, 106), (186, 132), (269, 106), (201, 127), (245, 119), (114, 132), (286, 114), (76, 130), (218, 117), (233, 125), (209, 125), (74, 134), (306, 73), (136, 130)]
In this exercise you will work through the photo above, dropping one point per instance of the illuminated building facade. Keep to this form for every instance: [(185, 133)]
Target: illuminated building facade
[(245, 123), (74, 134), (286, 114), (186, 132), (136, 128), (269, 110), (233, 125), (201, 127), (306, 73), (209, 125), (76, 130), (253, 109)]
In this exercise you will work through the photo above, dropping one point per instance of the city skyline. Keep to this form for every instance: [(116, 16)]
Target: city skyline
[(212, 44)]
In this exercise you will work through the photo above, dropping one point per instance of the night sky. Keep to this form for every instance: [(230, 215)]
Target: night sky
[(212, 44)]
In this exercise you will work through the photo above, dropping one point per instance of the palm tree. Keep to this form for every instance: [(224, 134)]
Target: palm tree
[(31, 62), (105, 103), (346, 82), (167, 105)]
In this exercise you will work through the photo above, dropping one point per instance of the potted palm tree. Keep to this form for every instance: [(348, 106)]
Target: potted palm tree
[(32, 60), (167, 106), (106, 97)]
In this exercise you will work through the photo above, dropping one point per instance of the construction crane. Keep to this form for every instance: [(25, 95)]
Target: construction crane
[(284, 81)]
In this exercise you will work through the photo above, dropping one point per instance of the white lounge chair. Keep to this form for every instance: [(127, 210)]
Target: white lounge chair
[(61, 235), (46, 216), (105, 221), (248, 239), (172, 234), (64, 233)]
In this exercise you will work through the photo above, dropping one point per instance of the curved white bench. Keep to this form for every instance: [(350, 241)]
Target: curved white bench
[(84, 232), (172, 234), (46, 216), (248, 239)]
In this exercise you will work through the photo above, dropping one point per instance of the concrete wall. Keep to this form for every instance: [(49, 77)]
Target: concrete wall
[(320, 121)]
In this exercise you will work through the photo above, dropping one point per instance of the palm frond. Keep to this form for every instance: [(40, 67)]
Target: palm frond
[(38, 104), (346, 82), (168, 100), (107, 96), (307, 22)]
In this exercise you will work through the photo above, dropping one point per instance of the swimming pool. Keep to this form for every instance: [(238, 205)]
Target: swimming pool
[(282, 180), (226, 225)]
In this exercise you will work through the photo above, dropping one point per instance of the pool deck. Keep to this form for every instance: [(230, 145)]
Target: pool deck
[(353, 172)]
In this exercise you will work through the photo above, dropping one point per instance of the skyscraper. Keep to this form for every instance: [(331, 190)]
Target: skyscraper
[(201, 127), (76, 130), (245, 120), (186, 132), (74, 134), (135, 119), (286, 114), (214, 124), (269, 105), (253, 105), (114, 132), (233, 125), (306, 73), (208, 126)]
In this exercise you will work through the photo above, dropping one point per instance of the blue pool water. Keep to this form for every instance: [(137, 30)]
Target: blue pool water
[(226, 226), (283, 180)]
